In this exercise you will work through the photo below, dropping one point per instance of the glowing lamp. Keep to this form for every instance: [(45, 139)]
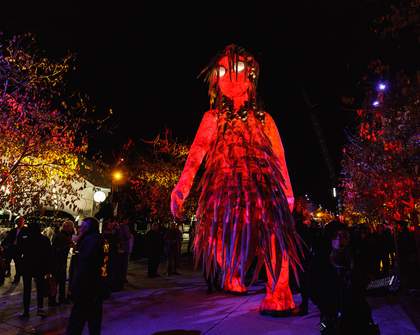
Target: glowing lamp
[(117, 175), (381, 86), (375, 103), (99, 196)]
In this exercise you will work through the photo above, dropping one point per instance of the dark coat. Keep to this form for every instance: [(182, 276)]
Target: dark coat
[(338, 281), (173, 240), (36, 253), (154, 243), (87, 283)]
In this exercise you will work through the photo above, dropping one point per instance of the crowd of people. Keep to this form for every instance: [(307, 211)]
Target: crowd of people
[(340, 262), (161, 242), (93, 261), (337, 265)]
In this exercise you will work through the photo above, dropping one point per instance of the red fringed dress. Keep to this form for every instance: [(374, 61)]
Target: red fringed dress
[(245, 194)]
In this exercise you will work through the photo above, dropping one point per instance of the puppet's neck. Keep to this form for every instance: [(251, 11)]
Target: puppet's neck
[(239, 108), (234, 103), (239, 101)]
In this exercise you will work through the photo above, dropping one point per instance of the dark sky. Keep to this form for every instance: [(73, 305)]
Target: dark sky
[(143, 61)]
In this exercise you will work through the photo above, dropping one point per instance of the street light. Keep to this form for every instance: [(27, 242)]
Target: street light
[(117, 176), (99, 196)]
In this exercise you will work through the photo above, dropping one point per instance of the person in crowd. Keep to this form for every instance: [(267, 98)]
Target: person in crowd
[(406, 246), (61, 244), (163, 229), (2, 266), (302, 223), (137, 250), (365, 249), (172, 239), (125, 245), (111, 233), (385, 245), (73, 256), (10, 245), (88, 284), (35, 255), (153, 242), (341, 285)]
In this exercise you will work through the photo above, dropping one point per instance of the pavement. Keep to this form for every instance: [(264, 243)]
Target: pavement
[(179, 305)]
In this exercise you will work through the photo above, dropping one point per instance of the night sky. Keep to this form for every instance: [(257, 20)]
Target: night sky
[(143, 62)]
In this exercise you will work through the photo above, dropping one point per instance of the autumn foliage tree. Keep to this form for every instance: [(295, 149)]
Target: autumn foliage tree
[(41, 128), (381, 160), (152, 176)]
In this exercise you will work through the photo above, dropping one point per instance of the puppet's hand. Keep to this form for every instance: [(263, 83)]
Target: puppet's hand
[(177, 201)]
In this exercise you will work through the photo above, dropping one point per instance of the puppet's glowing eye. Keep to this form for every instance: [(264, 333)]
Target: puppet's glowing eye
[(240, 66), (222, 71)]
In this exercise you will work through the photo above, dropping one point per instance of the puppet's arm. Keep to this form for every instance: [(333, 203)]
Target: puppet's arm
[(198, 150), (278, 149)]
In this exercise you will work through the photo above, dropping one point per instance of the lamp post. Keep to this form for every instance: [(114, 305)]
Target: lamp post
[(98, 197), (118, 177)]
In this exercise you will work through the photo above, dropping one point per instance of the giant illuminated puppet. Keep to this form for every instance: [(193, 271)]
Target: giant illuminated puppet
[(246, 199)]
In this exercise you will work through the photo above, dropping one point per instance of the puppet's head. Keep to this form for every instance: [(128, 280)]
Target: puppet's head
[(232, 73)]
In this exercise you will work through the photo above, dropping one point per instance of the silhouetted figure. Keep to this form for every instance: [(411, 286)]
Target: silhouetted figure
[(341, 286), (304, 231), (61, 244), (87, 286), (2, 266), (406, 254), (36, 259), (125, 247), (385, 248), (11, 252), (173, 239), (153, 241)]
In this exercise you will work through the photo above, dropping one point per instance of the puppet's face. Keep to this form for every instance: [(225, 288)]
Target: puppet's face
[(233, 82)]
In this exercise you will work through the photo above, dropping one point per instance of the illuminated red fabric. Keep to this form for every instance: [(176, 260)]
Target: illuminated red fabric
[(246, 198)]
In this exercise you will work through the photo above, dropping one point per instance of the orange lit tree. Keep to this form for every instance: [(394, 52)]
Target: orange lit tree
[(41, 128), (152, 175)]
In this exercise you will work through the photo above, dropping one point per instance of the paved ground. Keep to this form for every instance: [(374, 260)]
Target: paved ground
[(180, 305)]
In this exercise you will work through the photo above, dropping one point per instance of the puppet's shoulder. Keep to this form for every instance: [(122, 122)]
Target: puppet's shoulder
[(209, 118), (264, 118), (211, 113), (267, 116)]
